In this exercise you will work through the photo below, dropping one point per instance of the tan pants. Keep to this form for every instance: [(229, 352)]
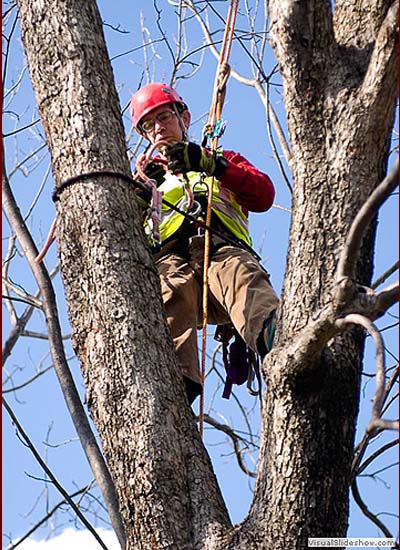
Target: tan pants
[(239, 291)]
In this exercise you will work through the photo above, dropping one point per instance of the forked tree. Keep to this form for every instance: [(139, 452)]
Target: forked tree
[(339, 69)]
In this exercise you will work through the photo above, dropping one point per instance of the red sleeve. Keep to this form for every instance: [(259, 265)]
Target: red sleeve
[(253, 189)]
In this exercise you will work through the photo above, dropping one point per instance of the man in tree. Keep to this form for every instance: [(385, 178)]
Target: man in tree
[(239, 288)]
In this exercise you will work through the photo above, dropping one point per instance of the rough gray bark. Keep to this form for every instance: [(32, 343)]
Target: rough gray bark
[(339, 73), (70, 393), (339, 98), (167, 491)]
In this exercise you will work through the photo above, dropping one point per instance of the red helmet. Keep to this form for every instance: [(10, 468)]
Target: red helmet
[(151, 96)]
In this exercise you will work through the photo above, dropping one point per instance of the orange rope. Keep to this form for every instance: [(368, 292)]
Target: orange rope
[(214, 116)]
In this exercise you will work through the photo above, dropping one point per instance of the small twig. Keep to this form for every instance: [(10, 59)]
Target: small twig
[(364, 509), (361, 447), (47, 470), (11, 251), (14, 132), (21, 323), (24, 384), (271, 115), (235, 441), (385, 275), (27, 298), (375, 455), (48, 516)]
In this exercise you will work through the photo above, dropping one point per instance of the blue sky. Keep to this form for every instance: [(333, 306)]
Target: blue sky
[(40, 406)]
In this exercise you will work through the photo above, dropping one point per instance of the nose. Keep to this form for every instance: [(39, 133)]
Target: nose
[(159, 124)]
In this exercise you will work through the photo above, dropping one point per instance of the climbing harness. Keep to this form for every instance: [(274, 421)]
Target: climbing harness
[(188, 203), (241, 363), (214, 129), (190, 216)]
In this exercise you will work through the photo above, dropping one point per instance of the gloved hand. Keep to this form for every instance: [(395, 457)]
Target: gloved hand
[(189, 157), (154, 171)]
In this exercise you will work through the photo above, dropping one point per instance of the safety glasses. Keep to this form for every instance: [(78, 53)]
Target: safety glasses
[(162, 118)]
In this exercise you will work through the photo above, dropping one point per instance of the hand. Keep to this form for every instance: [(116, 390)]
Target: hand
[(156, 172), (190, 157)]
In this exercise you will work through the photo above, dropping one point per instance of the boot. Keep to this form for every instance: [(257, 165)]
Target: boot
[(265, 339)]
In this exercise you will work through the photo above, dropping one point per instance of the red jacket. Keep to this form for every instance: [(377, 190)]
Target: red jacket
[(253, 189)]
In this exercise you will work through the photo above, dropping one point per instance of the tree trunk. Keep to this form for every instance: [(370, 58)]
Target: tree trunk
[(167, 490), (340, 85), (340, 99)]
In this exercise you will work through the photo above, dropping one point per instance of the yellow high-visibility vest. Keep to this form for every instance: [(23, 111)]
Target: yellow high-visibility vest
[(224, 205)]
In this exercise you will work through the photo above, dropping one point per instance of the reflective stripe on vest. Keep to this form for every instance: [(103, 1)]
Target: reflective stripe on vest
[(224, 205)]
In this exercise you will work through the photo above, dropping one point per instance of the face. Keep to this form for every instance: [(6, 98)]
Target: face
[(164, 124)]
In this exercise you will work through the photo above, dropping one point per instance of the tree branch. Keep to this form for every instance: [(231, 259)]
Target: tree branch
[(55, 482), (375, 455), (20, 325), (367, 512), (346, 268), (385, 275), (27, 382), (6, 264), (27, 298), (71, 395), (236, 440), (47, 516), (383, 63), (387, 297), (376, 423)]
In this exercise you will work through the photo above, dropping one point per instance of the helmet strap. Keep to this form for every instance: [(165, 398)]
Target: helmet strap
[(181, 123)]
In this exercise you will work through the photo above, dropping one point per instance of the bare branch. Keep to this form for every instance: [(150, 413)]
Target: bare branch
[(376, 423), (379, 424), (32, 154), (23, 300), (48, 516), (380, 357), (385, 275), (6, 52), (55, 482), (6, 264), (41, 335), (377, 453), (14, 132), (20, 325), (361, 448), (27, 382), (367, 512), (236, 440), (28, 298), (387, 297), (350, 253), (272, 115), (71, 395), (389, 386)]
